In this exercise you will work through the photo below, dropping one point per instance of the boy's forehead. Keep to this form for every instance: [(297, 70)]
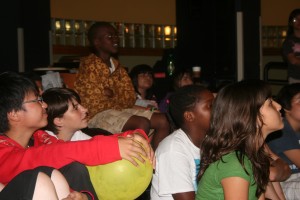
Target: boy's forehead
[(106, 29)]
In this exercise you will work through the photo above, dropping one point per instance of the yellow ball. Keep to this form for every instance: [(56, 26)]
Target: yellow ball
[(121, 180)]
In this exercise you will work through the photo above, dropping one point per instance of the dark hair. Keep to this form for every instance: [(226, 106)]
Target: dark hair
[(286, 94), (33, 77), (141, 69), (184, 99), (58, 100), (234, 128), (178, 75), (13, 89), (292, 15), (93, 32)]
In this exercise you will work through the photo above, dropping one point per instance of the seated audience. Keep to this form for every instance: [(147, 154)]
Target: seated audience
[(234, 162), (22, 112), (286, 142), (142, 79), (106, 90), (178, 155), (181, 78)]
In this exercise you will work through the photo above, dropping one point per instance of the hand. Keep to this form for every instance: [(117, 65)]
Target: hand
[(136, 146), (108, 92), (146, 145), (76, 196), (153, 103)]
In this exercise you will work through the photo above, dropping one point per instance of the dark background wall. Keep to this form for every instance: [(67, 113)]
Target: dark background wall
[(207, 37), (34, 17)]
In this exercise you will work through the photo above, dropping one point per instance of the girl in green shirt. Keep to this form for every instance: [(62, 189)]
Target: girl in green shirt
[(234, 164)]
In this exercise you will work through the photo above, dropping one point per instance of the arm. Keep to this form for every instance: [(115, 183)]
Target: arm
[(274, 191), (91, 81), (184, 195), (125, 96), (96, 151), (294, 60), (289, 47), (279, 169), (294, 156), (235, 188), (15, 159)]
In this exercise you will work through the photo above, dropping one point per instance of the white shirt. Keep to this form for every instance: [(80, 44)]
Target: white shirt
[(177, 166), (78, 135)]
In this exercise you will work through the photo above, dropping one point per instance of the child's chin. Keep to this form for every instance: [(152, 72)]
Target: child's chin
[(44, 124), (83, 126)]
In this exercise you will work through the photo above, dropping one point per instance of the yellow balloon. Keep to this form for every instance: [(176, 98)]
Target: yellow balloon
[(121, 180)]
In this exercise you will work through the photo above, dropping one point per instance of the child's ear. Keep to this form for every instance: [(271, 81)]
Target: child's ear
[(13, 116), (58, 121), (188, 116)]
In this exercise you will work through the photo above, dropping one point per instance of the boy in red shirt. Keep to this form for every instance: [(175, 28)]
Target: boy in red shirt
[(22, 112)]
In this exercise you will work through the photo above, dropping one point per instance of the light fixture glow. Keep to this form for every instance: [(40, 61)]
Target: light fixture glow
[(167, 30)]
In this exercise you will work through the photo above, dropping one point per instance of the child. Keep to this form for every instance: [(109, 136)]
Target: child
[(66, 116), (181, 78), (234, 164), (285, 143), (107, 92), (178, 155), (142, 79), (291, 47), (22, 112)]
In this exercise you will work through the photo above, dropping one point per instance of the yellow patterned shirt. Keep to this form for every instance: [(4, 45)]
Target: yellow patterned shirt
[(93, 76)]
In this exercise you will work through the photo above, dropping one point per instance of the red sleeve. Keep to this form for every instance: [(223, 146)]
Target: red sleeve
[(96, 151), (41, 137), (140, 131)]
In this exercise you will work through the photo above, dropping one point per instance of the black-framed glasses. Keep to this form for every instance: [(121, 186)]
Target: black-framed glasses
[(39, 99)]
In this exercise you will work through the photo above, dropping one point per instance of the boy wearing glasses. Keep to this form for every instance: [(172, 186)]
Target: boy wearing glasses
[(106, 90), (22, 112)]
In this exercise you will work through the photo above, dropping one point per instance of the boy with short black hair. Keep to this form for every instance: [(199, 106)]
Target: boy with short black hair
[(22, 112), (106, 90)]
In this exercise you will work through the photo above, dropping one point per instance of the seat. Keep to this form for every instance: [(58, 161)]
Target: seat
[(275, 73), (68, 79)]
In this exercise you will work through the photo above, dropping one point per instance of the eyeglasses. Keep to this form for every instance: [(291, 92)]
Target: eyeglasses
[(111, 37), (296, 19), (39, 99), (149, 74)]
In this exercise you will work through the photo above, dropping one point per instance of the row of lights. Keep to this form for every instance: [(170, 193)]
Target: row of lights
[(74, 32)]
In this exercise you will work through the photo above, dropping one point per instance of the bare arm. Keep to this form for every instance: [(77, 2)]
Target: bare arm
[(279, 169), (184, 196), (294, 156), (274, 191), (235, 188), (293, 59)]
